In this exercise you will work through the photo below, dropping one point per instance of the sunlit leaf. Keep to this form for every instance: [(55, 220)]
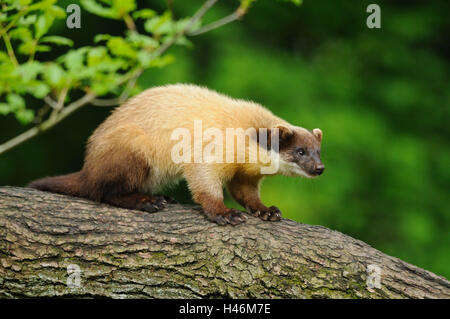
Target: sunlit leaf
[(4, 109), (57, 40), (160, 25), (144, 14), (94, 7), (54, 75), (25, 116), (15, 101), (43, 23), (120, 47)]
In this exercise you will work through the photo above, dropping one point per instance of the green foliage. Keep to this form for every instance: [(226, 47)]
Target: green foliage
[(102, 68)]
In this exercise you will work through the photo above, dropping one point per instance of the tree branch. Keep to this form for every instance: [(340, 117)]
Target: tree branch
[(125, 93), (177, 253), (47, 124), (236, 15), (197, 16)]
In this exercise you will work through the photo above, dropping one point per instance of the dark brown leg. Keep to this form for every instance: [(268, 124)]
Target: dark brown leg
[(245, 190), (207, 190), (138, 201), (217, 212)]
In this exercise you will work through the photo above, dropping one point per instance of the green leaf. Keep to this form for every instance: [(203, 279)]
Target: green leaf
[(85, 73), (160, 25), (184, 41), (24, 2), (27, 48), (3, 57), (94, 7), (104, 84), (43, 48), (43, 23), (15, 101), (144, 14), (38, 89), (120, 47), (74, 59), (162, 61), (57, 40), (142, 41), (29, 71), (21, 33), (42, 5), (4, 109), (27, 20), (296, 2), (123, 7), (102, 37), (25, 116), (57, 12), (144, 58), (96, 55), (54, 75)]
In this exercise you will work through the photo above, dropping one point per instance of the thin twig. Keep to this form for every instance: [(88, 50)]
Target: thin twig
[(9, 48), (216, 24), (129, 22), (60, 104), (197, 16), (46, 124), (125, 93), (50, 101)]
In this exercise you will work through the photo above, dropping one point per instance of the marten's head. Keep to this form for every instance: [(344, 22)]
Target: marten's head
[(299, 151)]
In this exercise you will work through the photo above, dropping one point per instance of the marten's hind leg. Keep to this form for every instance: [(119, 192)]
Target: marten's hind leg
[(116, 173), (138, 201)]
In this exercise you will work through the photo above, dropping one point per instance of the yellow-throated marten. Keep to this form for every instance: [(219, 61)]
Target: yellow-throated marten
[(129, 158)]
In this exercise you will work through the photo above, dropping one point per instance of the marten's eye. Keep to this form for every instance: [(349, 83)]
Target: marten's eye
[(300, 151)]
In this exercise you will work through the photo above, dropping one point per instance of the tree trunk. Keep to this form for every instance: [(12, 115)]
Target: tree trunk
[(177, 253)]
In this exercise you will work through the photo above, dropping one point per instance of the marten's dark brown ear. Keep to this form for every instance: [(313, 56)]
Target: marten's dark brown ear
[(264, 136), (284, 132), (318, 134)]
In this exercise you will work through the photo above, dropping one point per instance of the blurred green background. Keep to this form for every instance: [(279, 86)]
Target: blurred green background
[(381, 97)]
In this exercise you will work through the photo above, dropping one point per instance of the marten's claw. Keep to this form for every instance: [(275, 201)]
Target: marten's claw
[(154, 205), (235, 217), (170, 200), (232, 217), (272, 213), (255, 213)]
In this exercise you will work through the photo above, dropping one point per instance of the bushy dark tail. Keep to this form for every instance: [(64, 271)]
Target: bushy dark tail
[(69, 184)]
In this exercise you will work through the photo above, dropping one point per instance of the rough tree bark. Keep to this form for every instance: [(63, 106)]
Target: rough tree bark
[(177, 253)]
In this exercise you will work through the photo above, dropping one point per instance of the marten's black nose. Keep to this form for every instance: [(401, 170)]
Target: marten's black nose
[(319, 169)]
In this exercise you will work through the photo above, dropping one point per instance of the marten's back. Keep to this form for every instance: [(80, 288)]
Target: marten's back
[(162, 109), (145, 123)]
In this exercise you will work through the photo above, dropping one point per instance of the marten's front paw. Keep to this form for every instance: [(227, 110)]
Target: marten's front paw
[(272, 213), (232, 216), (153, 204)]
